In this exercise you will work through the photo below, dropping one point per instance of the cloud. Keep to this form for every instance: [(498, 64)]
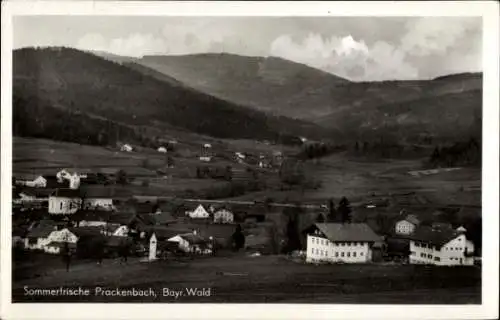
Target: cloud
[(346, 57), (135, 45), (435, 35)]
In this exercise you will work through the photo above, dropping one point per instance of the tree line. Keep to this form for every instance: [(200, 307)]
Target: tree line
[(467, 153)]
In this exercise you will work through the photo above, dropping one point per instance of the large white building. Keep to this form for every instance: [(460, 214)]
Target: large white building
[(441, 247), (198, 213), (69, 201), (337, 242), (407, 226)]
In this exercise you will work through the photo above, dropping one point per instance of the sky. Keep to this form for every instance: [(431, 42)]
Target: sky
[(356, 48)]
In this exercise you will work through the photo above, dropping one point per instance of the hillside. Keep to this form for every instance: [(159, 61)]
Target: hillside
[(268, 84), (447, 103), (52, 84)]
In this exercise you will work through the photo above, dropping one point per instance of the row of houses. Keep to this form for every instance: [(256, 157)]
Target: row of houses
[(357, 243)]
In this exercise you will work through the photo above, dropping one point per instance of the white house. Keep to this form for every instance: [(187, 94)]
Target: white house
[(71, 176), (97, 202), (442, 247), (198, 213), (190, 243), (64, 201), (162, 150), (126, 148), (206, 158), (406, 226), (38, 182), (207, 146), (337, 242), (49, 239), (223, 216)]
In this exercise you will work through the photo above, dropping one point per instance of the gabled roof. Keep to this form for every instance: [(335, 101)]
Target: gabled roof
[(41, 231), (192, 238), (337, 232), (437, 237)]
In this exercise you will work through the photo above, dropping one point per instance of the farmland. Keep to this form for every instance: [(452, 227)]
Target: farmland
[(238, 278)]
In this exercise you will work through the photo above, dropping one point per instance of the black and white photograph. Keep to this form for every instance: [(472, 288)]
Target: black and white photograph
[(209, 158)]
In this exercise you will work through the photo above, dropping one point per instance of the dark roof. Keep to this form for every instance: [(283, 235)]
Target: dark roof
[(437, 237), (348, 232), (192, 238), (66, 193), (412, 219), (47, 222), (41, 231), (37, 192), (91, 215), (163, 233), (86, 231)]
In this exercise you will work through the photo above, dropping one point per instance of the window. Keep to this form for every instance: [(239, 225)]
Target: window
[(336, 254), (61, 204), (348, 254), (361, 253), (412, 253), (416, 244), (354, 254), (429, 256), (342, 254), (422, 255), (437, 259)]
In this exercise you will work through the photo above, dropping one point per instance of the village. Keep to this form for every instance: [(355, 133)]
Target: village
[(57, 215)]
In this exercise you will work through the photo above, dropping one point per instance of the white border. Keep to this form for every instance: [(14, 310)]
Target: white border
[(488, 310)]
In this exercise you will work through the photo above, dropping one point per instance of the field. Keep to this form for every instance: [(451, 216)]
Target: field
[(237, 278)]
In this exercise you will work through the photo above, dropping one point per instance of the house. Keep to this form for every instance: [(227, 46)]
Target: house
[(206, 158), (198, 213), (97, 199), (126, 148), (337, 242), (71, 176), (407, 225), (91, 218), (33, 182), (40, 237), (223, 216), (207, 146), (162, 150), (27, 196), (191, 243), (64, 201), (435, 246)]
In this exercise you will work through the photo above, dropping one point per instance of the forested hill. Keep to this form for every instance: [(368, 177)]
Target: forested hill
[(71, 95)]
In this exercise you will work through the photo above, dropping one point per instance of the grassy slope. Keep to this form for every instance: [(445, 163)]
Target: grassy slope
[(69, 79)]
